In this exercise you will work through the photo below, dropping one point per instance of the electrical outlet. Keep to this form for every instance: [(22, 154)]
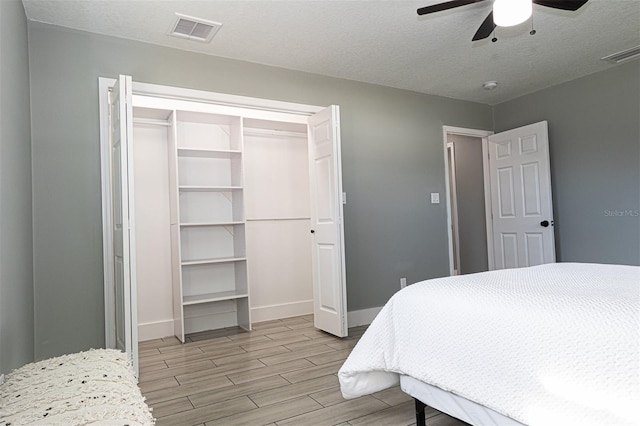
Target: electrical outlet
[(1, 379), (403, 283)]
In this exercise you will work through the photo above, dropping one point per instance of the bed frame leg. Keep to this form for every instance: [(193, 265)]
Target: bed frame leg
[(420, 420)]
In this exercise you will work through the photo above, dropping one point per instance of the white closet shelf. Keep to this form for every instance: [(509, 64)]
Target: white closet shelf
[(231, 223), (214, 297), (208, 153), (193, 188), (215, 260)]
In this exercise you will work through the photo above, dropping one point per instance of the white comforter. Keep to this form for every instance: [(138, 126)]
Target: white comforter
[(555, 344)]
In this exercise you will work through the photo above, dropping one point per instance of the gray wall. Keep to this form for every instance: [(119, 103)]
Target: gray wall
[(392, 159), (16, 260), (472, 227), (594, 138)]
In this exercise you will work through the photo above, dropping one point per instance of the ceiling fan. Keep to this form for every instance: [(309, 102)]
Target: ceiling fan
[(505, 13)]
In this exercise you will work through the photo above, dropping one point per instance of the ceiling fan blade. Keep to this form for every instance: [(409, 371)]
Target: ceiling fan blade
[(445, 6), (571, 5), (486, 28)]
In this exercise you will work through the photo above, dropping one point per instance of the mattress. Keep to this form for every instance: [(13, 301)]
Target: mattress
[(550, 344)]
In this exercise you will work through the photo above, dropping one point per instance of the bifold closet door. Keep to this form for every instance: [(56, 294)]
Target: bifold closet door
[(329, 285), (121, 122)]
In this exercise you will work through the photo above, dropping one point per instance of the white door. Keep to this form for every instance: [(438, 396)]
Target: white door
[(521, 203), (126, 320), (329, 284)]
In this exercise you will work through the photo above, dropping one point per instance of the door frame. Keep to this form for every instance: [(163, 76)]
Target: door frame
[(455, 248), (232, 102), (483, 135), (104, 87)]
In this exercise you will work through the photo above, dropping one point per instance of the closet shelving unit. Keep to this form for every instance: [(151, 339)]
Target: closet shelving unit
[(208, 223)]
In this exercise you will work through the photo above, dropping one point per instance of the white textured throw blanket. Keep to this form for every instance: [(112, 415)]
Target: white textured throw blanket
[(554, 344), (96, 387)]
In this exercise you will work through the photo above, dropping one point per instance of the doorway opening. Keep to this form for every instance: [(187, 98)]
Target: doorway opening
[(204, 148), (468, 202)]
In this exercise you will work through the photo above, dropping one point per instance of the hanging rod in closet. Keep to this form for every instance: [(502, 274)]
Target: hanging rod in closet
[(274, 219), (151, 121), (250, 131)]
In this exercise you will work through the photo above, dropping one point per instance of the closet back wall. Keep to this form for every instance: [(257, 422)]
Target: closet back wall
[(392, 158), (153, 239), (277, 206)]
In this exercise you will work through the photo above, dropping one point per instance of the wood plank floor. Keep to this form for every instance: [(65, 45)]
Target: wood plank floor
[(283, 372)]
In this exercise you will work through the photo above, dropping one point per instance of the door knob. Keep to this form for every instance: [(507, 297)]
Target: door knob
[(544, 223), (313, 231)]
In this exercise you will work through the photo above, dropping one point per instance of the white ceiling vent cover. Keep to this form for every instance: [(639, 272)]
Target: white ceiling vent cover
[(196, 29), (623, 56)]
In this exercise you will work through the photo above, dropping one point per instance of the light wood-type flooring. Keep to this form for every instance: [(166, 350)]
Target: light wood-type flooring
[(283, 372)]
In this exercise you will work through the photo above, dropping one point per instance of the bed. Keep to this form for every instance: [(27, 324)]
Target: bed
[(95, 387), (544, 345)]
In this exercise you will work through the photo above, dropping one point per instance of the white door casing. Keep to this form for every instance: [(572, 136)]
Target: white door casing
[(521, 202), (126, 322), (328, 266), (453, 195)]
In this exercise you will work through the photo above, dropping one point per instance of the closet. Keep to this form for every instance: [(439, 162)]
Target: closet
[(221, 208)]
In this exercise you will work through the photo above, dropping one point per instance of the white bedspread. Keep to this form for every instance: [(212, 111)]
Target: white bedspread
[(555, 344)]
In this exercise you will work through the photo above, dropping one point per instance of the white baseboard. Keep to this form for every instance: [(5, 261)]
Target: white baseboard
[(362, 317), (285, 310), (159, 329), (155, 330)]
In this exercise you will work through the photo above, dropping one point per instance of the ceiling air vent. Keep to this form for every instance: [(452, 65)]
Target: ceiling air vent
[(624, 56), (195, 29)]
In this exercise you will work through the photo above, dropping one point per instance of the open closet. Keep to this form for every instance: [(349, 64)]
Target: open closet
[(219, 211)]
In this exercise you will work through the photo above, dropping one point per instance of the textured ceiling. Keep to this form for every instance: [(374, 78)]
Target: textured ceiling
[(381, 42)]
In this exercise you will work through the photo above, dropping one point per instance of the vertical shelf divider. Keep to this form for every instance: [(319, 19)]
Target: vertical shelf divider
[(240, 241), (208, 223), (176, 267)]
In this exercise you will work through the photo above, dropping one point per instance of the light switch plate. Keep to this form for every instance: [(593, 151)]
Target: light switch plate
[(435, 198), (344, 198)]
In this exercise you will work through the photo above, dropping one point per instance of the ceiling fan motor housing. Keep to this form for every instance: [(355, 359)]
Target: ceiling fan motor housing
[(499, 15)]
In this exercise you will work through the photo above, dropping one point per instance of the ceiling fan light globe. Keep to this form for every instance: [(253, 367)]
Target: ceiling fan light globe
[(507, 13)]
